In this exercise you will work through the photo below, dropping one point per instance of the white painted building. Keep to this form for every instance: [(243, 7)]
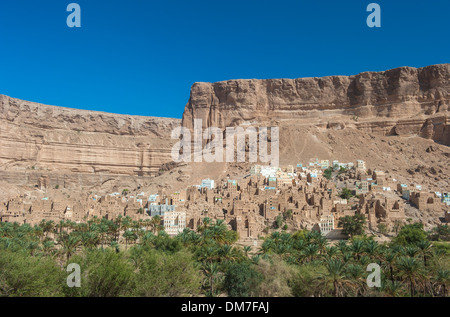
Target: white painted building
[(326, 224), (269, 171), (174, 222), (207, 183)]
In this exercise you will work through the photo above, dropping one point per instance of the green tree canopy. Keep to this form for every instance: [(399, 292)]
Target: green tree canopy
[(241, 280), (352, 225), (346, 193), (328, 173), (411, 234)]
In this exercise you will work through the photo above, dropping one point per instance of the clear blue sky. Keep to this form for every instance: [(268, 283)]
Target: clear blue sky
[(142, 56)]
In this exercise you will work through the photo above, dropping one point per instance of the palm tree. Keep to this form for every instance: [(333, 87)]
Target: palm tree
[(7, 230), (32, 246), (118, 222), (39, 232), (135, 225), (255, 259), (267, 246), (331, 251), (228, 253), (299, 245), (371, 248), (206, 222), (276, 236), (147, 238), (69, 244), (185, 236), (155, 224), (356, 273), (247, 249), (47, 226), (310, 252), (102, 230), (145, 223), (126, 223), (321, 242), (82, 227), (438, 254), (347, 256), (389, 259), (212, 277), (225, 251), (71, 225), (335, 279), (219, 232), (141, 228), (410, 269), (61, 225), (129, 236), (90, 239), (358, 248), (48, 247), (342, 246), (392, 288), (397, 249), (208, 254), (425, 251), (364, 260), (441, 281), (114, 245), (411, 251)]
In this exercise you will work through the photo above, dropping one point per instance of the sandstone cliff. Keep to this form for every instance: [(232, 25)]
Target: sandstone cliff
[(401, 101), (37, 139), (389, 119)]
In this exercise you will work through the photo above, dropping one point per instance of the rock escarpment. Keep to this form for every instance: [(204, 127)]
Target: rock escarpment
[(86, 148), (401, 101), (37, 139)]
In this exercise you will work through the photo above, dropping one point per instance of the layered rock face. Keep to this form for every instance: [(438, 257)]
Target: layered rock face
[(400, 101), (76, 147), (37, 139)]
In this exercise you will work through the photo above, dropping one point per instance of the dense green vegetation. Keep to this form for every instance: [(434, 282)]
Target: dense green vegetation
[(352, 225), (129, 258), (328, 173), (346, 193)]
